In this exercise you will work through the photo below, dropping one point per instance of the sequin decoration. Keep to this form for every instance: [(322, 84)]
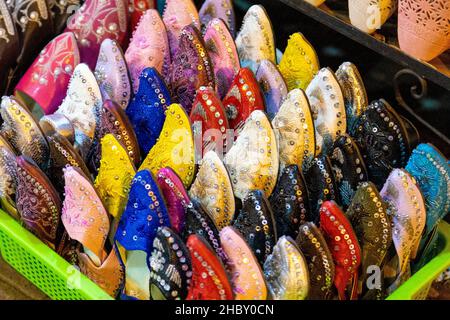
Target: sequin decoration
[(212, 187), (255, 40), (170, 267), (286, 271), (218, 9), (253, 161), (21, 130), (294, 129), (256, 223), (246, 275), (299, 63), (175, 146)]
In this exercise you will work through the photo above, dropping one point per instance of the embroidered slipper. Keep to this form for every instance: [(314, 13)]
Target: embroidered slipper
[(252, 161), (368, 216), (22, 131), (290, 202), (176, 197), (286, 271), (46, 80), (212, 187), (8, 178), (348, 168), (383, 140), (81, 106), (273, 86), (200, 223), (294, 129), (58, 123), (175, 146), (62, 155), (61, 11), (407, 208), (84, 215), (370, 15), (177, 15), (113, 120), (37, 202), (243, 97), (209, 278), (146, 110), (136, 9), (355, 95), (209, 120), (144, 214), (319, 261), (112, 74), (149, 47), (95, 21), (218, 9), (255, 40), (344, 246), (191, 68), (321, 185), (114, 176), (9, 44), (170, 266), (256, 223), (323, 92), (299, 63), (223, 53), (247, 278)]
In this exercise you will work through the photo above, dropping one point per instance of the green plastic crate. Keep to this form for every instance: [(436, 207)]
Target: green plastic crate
[(59, 280), (42, 266)]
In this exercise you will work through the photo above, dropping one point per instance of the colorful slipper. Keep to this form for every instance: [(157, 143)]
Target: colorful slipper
[(175, 146), (170, 267), (38, 202), (209, 278), (321, 185), (272, 85), (323, 92), (199, 222), (209, 120), (144, 214), (191, 68), (294, 129), (319, 261), (355, 96), (407, 209), (149, 47), (84, 215), (243, 97), (136, 9), (22, 131), (112, 74), (348, 168), (9, 44), (113, 120), (212, 187), (218, 9), (146, 110), (368, 216), (247, 277), (344, 246), (370, 15), (8, 178), (255, 40), (95, 21), (114, 176), (252, 161), (46, 80), (223, 53), (177, 15), (58, 123), (256, 223), (299, 63), (81, 106), (176, 197), (290, 202), (286, 271)]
